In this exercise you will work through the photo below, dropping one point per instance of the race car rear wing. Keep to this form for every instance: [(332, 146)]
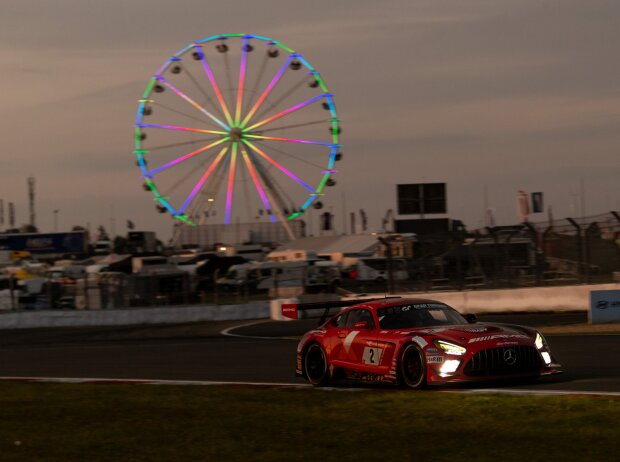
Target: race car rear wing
[(291, 310)]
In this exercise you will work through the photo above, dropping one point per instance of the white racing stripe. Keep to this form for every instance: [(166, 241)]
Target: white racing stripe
[(228, 331)]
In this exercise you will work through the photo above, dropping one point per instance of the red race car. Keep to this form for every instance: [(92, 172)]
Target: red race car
[(414, 342)]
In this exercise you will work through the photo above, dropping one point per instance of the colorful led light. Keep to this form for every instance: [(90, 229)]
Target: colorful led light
[(265, 93), (186, 156), (204, 178), (193, 103), (288, 140), (184, 129), (231, 181), (216, 88), (257, 183), (242, 66), (280, 167), (285, 112)]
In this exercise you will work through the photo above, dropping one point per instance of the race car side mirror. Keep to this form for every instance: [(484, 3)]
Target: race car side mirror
[(471, 318)]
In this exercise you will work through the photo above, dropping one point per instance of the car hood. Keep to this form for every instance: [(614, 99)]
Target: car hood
[(469, 334)]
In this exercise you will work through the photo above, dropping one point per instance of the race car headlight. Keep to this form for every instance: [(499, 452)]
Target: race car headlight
[(449, 367), (450, 348), (539, 342), (546, 357)]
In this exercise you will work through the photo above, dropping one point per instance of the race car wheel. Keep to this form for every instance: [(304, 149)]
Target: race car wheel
[(412, 367), (315, 365)]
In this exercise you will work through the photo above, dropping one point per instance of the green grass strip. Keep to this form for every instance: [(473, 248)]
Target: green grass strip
[(77, 422)]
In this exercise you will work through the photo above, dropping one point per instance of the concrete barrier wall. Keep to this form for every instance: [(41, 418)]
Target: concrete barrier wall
[(564, 298), (125, 317), (551, 299), (560, 299)]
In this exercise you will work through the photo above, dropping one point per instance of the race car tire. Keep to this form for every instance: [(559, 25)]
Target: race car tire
[(315, 365), (412, 367)]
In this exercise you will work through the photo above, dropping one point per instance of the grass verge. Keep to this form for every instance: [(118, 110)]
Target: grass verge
[(70, 422)]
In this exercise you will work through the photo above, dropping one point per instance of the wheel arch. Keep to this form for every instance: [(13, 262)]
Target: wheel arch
[(399, 356)]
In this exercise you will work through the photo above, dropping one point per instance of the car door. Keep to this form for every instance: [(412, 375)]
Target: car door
[(356, 338)]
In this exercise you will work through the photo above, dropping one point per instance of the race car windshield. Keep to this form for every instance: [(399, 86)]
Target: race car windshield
[(418, 315)]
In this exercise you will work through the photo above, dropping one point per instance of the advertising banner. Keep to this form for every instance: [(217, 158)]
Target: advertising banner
[(604, 306), (74, 242)]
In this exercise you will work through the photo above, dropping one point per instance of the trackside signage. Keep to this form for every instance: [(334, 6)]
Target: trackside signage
[(604, 306)]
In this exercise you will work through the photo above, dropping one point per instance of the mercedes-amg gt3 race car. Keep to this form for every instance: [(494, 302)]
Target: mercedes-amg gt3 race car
[(414, 343)]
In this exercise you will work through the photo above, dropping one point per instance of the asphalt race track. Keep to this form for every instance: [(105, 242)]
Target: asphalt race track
[(259, 352)]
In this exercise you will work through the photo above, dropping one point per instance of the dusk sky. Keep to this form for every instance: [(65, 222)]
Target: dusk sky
[(495, 95)]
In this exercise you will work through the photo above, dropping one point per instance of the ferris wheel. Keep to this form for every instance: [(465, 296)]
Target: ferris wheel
[(237, 128)]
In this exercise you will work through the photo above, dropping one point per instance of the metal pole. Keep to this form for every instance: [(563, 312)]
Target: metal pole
[(579, 248), (539, 252), (388, 255), (496, 255), (589, 231)]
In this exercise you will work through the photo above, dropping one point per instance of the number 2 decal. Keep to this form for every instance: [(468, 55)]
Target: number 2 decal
[(372, 355)]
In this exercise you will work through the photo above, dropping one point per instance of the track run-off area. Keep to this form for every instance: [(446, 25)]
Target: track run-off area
[(262, 353)]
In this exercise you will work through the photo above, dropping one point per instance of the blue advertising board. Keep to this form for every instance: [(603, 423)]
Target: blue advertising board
[(74, 242), (604, 306)]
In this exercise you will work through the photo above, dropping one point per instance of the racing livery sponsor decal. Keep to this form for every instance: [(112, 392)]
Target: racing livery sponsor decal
[(434, 359), (372, 355), (373, 343), (348, 340), (434, 331), (431, 350), (497, 337), (420, 341), (289, 310), (421, 306), (475, 330), (373, 378)]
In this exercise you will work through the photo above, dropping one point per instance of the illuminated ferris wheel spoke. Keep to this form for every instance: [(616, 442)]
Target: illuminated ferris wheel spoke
[(200, 88), (300, 83), (288, 154), (267, 90), (258, 79), (187, 156), (184, 114), (297, 107), (276, 196), (182, 180), (289, 140), (240, 88), (286, 127), (182, 143), (257, 183), (204, 178), (280, 167), (231, 181), (228, 75), (194, 103), (184, 129), (205, 204), (214, 85)]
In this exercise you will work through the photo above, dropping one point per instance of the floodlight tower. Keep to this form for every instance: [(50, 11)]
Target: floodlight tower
[(31, 182)]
